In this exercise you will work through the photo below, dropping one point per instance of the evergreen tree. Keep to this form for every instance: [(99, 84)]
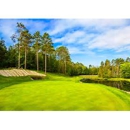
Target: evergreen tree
[(26, 40), (17, 37), (3, 52), (37, 45), (46, 47), (63, 57)]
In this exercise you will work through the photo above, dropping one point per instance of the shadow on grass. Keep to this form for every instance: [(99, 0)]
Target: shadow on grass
[(8, 81)]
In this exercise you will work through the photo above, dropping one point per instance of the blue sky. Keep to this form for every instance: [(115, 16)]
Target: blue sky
[(89, 41)]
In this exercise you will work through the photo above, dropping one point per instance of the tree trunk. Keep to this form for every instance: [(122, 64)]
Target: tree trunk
[(25, 58), (45, 63), (19, 56), (65, 66), (49, 62), (37, 61)]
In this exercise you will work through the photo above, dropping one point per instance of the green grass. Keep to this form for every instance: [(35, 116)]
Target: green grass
[(8, 81), (58, 92)]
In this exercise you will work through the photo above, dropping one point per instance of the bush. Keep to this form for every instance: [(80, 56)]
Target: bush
[(125, 70)]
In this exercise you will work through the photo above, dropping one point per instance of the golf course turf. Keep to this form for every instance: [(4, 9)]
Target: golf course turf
[(59, 93)]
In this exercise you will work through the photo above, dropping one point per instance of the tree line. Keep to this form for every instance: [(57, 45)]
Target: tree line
[(115, 68), (37, 52)]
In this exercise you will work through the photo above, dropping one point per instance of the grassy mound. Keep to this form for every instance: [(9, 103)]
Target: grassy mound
[(57, 92)]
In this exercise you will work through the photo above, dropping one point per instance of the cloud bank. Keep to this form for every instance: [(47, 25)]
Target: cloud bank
[(86, 37)]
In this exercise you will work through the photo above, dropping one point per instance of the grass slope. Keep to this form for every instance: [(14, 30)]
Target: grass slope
[(58, 92), (8, 81)]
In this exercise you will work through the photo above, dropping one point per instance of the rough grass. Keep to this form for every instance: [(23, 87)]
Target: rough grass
[(59, 92)]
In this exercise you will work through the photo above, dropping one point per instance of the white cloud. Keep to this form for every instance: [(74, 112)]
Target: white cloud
[(102, 24), (79, 50), (113, 39), (115, 34), (71, 37), (61, 25), (74, 50), (75, 38)]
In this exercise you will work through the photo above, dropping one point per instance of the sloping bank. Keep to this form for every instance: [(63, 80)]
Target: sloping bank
[(123, 84)]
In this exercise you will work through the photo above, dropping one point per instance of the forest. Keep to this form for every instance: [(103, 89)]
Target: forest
[(37, 52), (117, 68)]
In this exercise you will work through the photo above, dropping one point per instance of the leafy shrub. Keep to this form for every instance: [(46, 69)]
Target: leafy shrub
[(125, 70)]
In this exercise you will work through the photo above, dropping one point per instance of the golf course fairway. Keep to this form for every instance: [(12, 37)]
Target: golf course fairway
[(59, 93)]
